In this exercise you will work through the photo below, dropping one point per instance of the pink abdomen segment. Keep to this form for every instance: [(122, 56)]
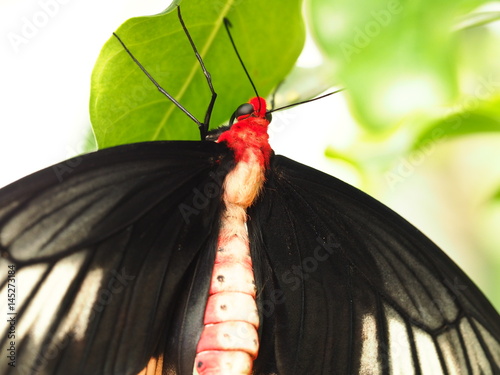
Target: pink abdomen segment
[(229, 342)]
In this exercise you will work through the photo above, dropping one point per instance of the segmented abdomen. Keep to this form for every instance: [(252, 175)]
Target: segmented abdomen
[(229, 342)]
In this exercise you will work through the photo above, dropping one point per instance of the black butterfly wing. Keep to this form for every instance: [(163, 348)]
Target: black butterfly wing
[(108, 248), (349, 287), (115, 246)]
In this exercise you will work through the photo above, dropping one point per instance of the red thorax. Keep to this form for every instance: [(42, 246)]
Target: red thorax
[(249, 135)]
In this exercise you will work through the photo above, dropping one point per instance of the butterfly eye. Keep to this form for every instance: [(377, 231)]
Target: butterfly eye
[(269, 117), (242, 110)]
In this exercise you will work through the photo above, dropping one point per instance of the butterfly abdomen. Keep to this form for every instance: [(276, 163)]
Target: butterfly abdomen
[(229, 342)]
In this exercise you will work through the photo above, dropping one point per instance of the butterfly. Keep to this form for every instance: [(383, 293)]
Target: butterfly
[(107, 260)]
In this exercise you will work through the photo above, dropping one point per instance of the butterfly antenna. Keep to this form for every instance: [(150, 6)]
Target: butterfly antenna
[(161, 89), (305, 101), (273, 97), (228, 25), (208, 113), (202, 126)]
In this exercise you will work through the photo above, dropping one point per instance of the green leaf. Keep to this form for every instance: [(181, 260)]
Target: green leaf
[(126, 107), (477, 19), (483, 120), (395, 58), (496, 196)]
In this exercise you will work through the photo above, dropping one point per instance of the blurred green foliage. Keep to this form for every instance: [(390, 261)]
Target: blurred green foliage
[(423, 87)]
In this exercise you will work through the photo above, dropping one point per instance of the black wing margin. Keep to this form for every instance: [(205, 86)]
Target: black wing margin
[(350, 287), (107, 248)]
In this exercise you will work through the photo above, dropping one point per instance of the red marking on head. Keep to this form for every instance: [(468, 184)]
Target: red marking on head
[(259, 105), (248, 136)]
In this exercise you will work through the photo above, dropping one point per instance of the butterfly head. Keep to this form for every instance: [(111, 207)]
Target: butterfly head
[(256, 107), (248, 137)]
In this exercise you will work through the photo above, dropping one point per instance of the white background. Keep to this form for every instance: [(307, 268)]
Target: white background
[(45, 82)]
